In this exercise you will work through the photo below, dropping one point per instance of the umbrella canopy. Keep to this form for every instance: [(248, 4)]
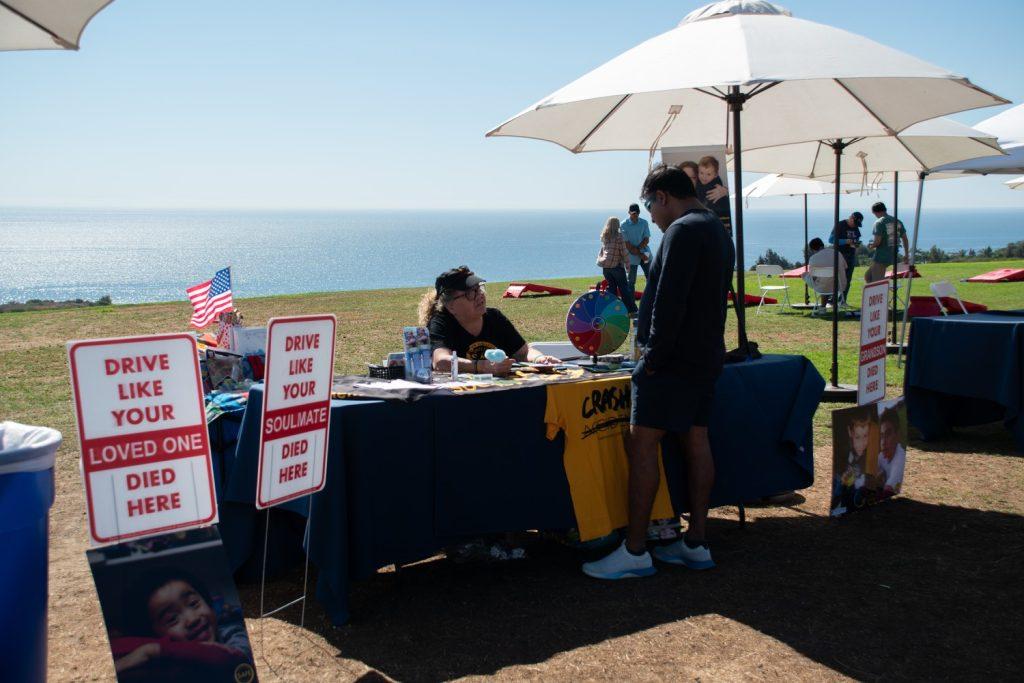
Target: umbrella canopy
[(778, 185), (811, 82), (1016, 183), (920, 148), (1008, 127), (799, 80), (45, 24)]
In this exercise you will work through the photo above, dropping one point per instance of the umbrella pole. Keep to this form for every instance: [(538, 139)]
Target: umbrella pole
[(895, 249), (910, 260), (837, 147), (735, 101), (806, 255)]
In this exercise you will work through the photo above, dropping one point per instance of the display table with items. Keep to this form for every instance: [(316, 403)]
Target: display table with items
[(966, 370), (406, 478)]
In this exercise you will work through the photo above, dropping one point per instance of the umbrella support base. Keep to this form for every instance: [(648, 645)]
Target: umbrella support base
[(893, 349), (840, 393), (802, 307)]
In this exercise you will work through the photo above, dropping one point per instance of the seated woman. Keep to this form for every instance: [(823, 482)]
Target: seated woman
[(459, 321)]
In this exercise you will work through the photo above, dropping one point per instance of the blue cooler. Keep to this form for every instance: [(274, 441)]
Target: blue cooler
[(27, 455)]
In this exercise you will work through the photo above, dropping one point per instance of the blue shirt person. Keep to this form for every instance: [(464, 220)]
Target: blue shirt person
[(637, 235), (846, 236)]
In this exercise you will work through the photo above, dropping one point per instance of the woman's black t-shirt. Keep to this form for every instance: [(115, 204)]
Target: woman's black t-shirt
[(496, 333)]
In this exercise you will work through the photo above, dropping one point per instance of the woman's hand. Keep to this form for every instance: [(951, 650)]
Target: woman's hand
[(716, 193), (547, 360), (497, 369)]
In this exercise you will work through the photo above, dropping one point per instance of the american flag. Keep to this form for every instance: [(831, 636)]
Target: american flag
[(210, 298)]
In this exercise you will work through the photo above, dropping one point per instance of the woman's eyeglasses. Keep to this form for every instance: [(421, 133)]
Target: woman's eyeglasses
[(472, 293)]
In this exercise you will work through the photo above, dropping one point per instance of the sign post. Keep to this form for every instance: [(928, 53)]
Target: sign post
[(296, 408), (873, 310), (142, 429)]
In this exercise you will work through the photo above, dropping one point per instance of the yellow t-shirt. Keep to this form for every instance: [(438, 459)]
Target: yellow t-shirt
[(595, 419)]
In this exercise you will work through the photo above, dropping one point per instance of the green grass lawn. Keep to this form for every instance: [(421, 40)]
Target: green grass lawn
[(34, 382)]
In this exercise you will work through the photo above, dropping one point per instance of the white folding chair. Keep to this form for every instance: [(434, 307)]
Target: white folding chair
[(818, 278), (767, 272), (944, 289)]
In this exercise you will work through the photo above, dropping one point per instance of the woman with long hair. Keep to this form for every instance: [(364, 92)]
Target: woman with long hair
[(613, 260)]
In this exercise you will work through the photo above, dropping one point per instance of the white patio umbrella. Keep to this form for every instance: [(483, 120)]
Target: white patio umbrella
[(45, 24), (798, 80), (1016, 183), (919, 149), (1008, 127), (777, 185)]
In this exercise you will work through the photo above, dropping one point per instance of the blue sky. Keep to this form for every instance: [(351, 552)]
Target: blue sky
[(324, 104)]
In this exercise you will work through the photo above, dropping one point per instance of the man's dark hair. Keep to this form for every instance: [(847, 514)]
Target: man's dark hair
[(669, 180), (136, 603), (857, 216), (634, 208), (892, 416), (816, 244), (878, 207)]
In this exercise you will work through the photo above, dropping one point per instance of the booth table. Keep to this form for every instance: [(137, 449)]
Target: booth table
[(966, 370), (406, 479)]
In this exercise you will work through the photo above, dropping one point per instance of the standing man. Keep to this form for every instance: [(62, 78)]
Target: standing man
[(846, 236), (681, 328), (637, 235), (884, 235)]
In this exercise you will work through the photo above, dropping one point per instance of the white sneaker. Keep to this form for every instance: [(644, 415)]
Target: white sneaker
[(680, 553), (620, 564)]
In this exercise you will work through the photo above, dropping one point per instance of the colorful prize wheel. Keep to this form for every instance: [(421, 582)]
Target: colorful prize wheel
[(597, 323)]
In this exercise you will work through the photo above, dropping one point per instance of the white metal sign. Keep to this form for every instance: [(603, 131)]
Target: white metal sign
[(142, 429), (296, 408), (874, 307)]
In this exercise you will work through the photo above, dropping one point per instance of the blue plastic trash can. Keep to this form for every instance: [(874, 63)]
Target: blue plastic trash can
[(27, 455)]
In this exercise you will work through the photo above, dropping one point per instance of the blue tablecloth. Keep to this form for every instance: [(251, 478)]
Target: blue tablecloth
[(966, 370), (406, 479)]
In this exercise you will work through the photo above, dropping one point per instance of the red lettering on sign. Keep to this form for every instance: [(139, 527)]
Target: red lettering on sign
[(299, 389), (301, 342), (135, 416), (133, 364), (290, 450), (149, 388), (297, 471), (150, 478), (162, 502)]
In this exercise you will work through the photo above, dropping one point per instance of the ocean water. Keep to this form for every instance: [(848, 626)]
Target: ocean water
[(140, 256)]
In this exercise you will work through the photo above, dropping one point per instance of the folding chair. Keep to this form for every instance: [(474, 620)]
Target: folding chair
[(768, 272), (943, 289), (813, 279)]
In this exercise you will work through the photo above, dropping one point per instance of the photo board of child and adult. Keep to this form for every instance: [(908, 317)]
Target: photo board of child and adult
[(869, 454)]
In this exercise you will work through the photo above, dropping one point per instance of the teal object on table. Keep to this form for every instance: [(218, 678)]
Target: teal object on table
[(495, 355)]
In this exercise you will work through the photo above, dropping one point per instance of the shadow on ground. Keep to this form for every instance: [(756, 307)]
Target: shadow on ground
[(902, 590)]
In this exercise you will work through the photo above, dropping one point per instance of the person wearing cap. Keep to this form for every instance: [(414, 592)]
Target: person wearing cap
[(456, 314), (637, 235), (846, 236)]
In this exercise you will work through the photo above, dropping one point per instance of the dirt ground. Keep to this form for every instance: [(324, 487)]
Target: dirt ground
[(925, 586)]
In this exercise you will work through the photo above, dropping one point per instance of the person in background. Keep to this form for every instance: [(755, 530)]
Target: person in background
[(690, 169), (846, 236), (681, 328), (613, 260), (712, 191), (884, 233), (822, 256), (455, 313), (637, 235), (893, 456)]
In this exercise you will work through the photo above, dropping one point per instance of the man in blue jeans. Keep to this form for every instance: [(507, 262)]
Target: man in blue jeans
[(681, 328), (637, 234)]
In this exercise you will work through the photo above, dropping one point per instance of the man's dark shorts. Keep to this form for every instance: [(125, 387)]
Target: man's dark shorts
[(670, 401)]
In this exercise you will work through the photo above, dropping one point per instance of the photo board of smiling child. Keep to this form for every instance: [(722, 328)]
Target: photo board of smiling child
[(869, 453), (171, 609), (706, 168)]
